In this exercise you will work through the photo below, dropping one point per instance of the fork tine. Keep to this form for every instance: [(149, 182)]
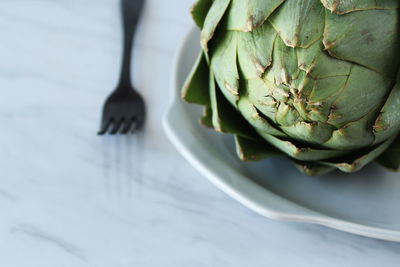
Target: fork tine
[(116, 126), (133, 125), (105, 126), (127, 126)]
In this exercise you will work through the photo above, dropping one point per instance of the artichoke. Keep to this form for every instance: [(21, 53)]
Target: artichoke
[(314, 80)]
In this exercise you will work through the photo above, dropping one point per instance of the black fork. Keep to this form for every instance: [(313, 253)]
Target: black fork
[(124, 109)]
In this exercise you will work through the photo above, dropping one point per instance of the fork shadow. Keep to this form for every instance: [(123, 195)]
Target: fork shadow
[(123, 162)]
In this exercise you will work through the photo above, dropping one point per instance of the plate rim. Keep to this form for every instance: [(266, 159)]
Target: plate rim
[(294, 212)]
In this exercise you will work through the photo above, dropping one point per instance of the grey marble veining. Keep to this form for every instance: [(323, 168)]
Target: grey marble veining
[(71, 198)]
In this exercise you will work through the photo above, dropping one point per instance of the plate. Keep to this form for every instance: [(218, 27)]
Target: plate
[(365, 203)]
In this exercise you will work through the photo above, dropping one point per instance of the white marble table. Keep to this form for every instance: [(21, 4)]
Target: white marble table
[(71, 198)]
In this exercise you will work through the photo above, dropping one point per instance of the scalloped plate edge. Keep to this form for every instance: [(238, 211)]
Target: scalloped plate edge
[(253, 196)]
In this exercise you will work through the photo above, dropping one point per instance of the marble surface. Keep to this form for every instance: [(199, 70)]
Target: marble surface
[(71, 198)]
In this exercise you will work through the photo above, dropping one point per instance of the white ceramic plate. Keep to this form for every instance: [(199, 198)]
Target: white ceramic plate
[(365, 203)]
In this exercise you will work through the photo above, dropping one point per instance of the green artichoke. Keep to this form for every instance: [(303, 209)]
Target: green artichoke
[(314, 80)]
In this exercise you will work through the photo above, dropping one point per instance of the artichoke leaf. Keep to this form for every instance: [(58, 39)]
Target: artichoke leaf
[(355, 37), (324, 92), (356, 163), (265, 96), (299, 22), (250, 150), (354, 135), (300, 152), (391, 157), (347, 6), (206, 117), (352, 104), (199, 11), (388, 122), (195, 89), (312, 168), (247, 15), (285, 68), (224, 64), (255, 50), (252, 115), (318, 64), (287, 116), (327, 88), (313, 133), (213, 18), (225, 118)]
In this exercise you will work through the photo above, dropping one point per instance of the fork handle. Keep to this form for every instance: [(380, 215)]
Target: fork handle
[(130, 10)]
